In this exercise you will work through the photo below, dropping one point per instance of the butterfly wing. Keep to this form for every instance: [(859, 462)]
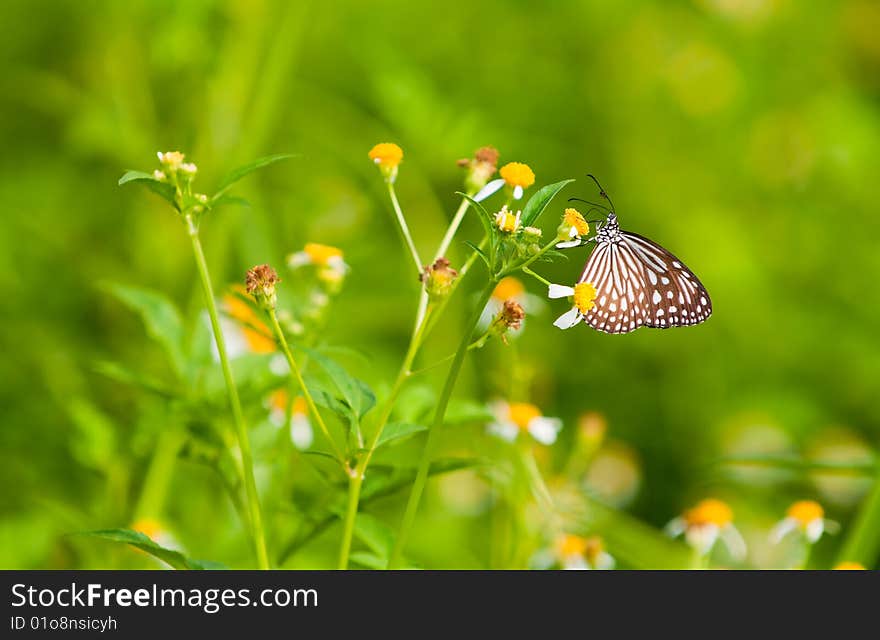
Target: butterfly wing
[(675, 294), (639, 283), (620, 282)]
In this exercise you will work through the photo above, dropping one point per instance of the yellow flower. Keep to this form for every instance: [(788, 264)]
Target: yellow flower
[(256, 335), (507, 221), (849, 566), (572, 228), (578, 552), (300, 426), (584, 296), (387, 156), (149, 527), (515, 417), (329, 260), (806, 516), (706, 522), (517, 174), (507, 288), (322, 254), (171, 160)]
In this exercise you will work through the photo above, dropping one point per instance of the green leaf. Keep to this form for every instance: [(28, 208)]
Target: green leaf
[(227, 199), (368, 560), (485, 217), (355, 393), (374, 533), (237, 174), (173, 558), (160, 317), (120, 373), (538, 202), (163, 189), (394, 431), (479, 252), (460, 411), (94, 441)]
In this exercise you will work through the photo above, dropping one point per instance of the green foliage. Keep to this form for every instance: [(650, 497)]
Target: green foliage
[(172, 558), (540, 201)]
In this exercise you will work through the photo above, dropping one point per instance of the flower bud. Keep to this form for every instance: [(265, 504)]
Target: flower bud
[(260, 283), (387, 156), (438, 278), (510, 317)]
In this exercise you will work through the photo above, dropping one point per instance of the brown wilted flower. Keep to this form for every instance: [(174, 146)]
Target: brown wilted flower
[(509, 317), (438, 278), (480, 168), (260, 283)]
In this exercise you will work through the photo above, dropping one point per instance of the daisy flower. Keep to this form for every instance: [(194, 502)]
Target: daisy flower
[(300, 426), (328, 260), (516, 175), (572, 229), (243, 329), (387, 156), (514, 417), (584, 294), (703, 524), (807, 517)]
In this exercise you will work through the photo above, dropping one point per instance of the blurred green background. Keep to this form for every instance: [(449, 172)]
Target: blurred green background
[(741, 134)]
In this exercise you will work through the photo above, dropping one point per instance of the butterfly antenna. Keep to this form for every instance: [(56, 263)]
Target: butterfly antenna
[(602, 192), (594, 204)]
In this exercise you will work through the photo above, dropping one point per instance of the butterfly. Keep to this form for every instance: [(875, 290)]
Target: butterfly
[(637, 283)]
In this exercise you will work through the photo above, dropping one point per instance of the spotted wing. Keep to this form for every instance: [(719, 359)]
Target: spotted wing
[(639, 283)]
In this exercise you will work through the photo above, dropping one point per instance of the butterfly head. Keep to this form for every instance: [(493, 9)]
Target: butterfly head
[(609, 231)]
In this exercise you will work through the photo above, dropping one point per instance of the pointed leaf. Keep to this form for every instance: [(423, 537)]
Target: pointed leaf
[(395, 431), (160, 318), (173, 558), (538, 202), (163, 189), (482, 254), (237, 174)]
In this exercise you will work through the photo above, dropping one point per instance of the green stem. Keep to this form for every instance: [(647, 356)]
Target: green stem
[(355, 481), (247, 462), (540, 279), (863, 543), (427, 450), (356, 475), (159, 473), (453, 228), (297, 373), (404, 229)]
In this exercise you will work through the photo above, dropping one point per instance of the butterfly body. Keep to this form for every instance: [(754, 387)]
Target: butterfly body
[(640, 284)]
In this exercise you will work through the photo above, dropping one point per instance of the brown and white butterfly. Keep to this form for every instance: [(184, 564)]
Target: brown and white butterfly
[(637, 283)]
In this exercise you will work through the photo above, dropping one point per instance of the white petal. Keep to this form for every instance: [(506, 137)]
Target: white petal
[(575, 563), (301, 431), (298, 259), (675, 527), (544, 429), (604, 561), (560, 291), (782, 529), (543, 559), (337, 263), (491, 187), (702, 537), (276, 416), (568, 244), (504, 430), (278, 365), (573, 233), (815, 529), (517, 192), (568, 319), (734, 541)]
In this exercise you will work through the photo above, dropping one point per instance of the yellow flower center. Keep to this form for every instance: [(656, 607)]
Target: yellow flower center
[(507, 288), (849, 566), (573, 218), (149, 527), (805, 512), (517, 174), (321, 254), (584, 296), (568, 545), (709, 511), (522, 413), (507, 221), (386, 154), (300, 406), (256, 334), (278, 400)]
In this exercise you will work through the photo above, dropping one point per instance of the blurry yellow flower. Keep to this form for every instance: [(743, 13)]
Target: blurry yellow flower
[(507, 288), (849, 566), (584, 294), (300, 426), (248, 333), (512, 418), (156, 532), (572, 229), (517, 176), (507, 221), (329, 260), (387, 156), (706, 522), (577, 552), (171, 160), (806, 516)]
